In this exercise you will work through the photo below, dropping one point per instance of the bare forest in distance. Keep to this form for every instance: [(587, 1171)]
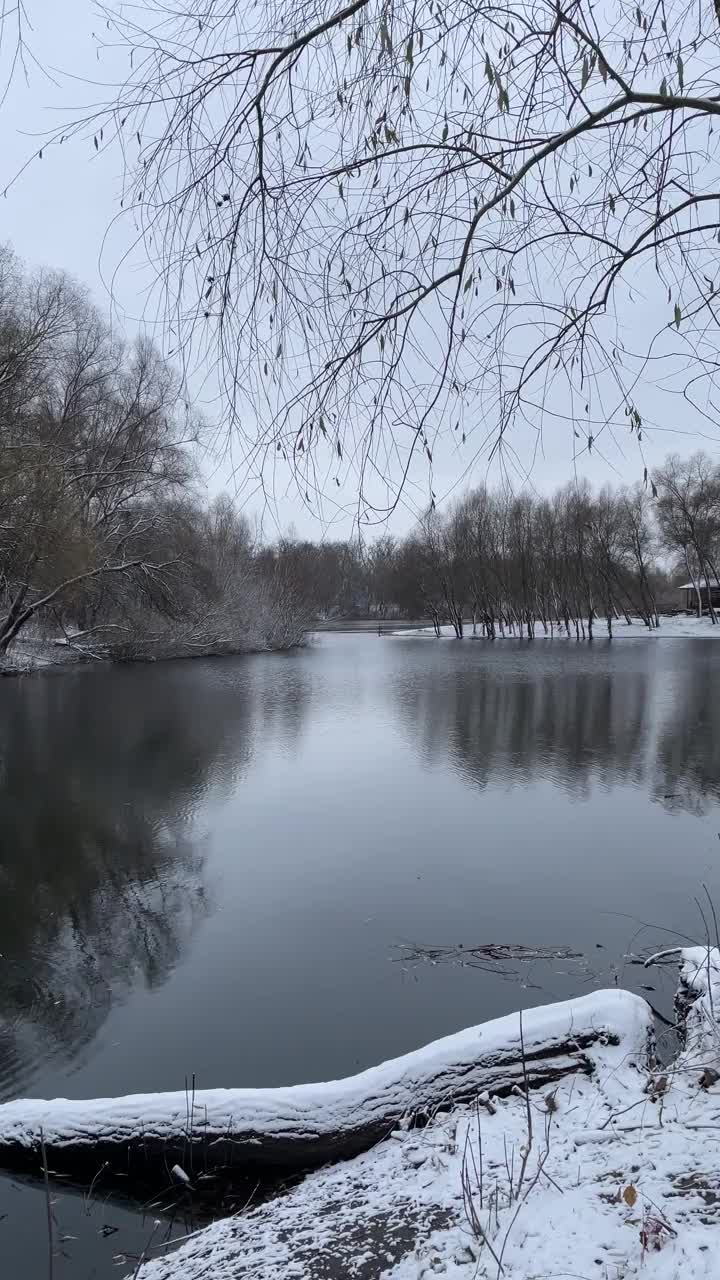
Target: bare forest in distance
[(502, 560), (107, 544)]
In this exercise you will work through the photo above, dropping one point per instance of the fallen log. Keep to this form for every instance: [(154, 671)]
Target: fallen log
[(546, 1191), (275, 1132)]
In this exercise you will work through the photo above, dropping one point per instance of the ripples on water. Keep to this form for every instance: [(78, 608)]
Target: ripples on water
[(204, 867)]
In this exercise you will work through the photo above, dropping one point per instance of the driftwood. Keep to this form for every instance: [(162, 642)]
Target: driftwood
[(506, 960), (274, 1132)]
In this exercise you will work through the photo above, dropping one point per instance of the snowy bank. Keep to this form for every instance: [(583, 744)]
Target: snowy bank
[(610, 1169), (39, 654), (681, 625), (610, 1175), (280, 1130)]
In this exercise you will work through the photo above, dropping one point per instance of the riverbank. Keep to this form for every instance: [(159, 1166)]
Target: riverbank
[(372, 626), (34, 656), (609, 1175), (549, 1143), (680, 626), (31, 656)]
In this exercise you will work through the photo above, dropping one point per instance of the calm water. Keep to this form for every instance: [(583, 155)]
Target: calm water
[(205, 867)]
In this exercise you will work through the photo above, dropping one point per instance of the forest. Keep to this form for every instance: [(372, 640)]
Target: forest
[(518, 561), (110, 548), (106, 542)]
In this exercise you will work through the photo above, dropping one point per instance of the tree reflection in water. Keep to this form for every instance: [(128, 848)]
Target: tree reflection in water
[(101, 870), (687, 757), (578, 720)]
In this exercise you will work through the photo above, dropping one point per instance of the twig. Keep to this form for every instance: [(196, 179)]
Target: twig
[(146, 1250), (88, 1195), (48, 1207), (528, 1109), (471, 1210), (611, 1118), (661, 955)]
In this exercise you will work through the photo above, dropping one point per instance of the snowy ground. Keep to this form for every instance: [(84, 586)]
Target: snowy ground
[(682, 625), (611, 1176), (37, 654)]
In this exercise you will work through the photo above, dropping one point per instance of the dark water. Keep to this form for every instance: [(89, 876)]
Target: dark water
[(204, 867)]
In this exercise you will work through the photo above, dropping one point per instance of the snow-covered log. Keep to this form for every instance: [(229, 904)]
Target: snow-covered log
[(609, 1174), (398, 1211), (275, 1131)]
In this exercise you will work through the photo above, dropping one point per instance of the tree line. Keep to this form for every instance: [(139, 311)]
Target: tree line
[(513, 563), (104, 537), (107, 544)]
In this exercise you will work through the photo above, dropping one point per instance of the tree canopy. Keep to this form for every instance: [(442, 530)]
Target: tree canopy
[(394, 223)]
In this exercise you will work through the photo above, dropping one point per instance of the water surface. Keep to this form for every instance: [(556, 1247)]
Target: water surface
[(205, 867)]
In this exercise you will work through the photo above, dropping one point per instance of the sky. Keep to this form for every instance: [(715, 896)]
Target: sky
[(62, 212)]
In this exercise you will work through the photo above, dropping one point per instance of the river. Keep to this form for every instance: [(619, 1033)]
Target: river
[(206, 868)]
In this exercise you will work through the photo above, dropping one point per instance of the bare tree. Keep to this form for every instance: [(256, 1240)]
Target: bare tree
[(93, 438), (379, 560), (519, 562), (16, 56), (378, 214), (640, 541), (689, 515)]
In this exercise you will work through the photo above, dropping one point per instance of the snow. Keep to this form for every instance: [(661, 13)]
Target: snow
[(681, 625), (305, 1111), (35, 653), (613, 1176)]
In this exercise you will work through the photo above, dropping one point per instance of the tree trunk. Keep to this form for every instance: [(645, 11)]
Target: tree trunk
[(280, 1131), (704, 576), (12, 627), (14, 620)]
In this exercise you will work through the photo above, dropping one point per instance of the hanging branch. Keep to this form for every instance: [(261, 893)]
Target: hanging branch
[(380, 220)]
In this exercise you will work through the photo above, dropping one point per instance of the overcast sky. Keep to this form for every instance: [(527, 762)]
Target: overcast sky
[(61, 214)]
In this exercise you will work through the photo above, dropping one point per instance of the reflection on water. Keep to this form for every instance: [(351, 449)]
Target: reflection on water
[(112, 783), (687, 756), (577, 729), (205, 866), (101, 868), (581, 718)]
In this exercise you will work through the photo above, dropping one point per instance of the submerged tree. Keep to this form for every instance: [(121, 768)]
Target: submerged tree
[(394, 221)]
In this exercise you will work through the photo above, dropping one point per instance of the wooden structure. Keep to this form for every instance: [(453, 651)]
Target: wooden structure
[(709, 593)]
